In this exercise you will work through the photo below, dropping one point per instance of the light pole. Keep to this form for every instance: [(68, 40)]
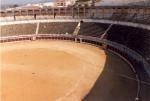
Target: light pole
[(93, 3)]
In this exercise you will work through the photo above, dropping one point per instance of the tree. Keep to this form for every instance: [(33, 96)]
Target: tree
[(15, 5)]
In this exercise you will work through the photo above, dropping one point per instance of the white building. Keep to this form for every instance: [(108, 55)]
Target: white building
[(64, 3), (70, 2), (48, 4)]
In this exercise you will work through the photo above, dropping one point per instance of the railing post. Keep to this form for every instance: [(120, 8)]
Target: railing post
[(59, 10), (75, 38), (20, 12), (84, 12), (46, 11), (40, 11), (27, 12), (104, 46), (137, 11), (103, 13), (65, 11), (78, 13), (53, 11), (14, 15), (73, 13), (80, 40)]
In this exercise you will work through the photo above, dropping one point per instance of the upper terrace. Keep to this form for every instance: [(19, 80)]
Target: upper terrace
[(116, 13)]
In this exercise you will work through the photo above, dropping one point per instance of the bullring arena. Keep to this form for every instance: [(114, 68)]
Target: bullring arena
[(85, 58)]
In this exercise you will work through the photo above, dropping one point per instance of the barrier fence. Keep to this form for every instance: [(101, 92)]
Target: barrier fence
[(121, 49)]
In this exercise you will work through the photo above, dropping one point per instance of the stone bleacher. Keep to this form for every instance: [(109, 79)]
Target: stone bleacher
[(134, 38), (57, 27), (92, 29), (132, 17), (18, 29)]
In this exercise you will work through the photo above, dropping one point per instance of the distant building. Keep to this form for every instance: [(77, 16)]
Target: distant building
[(29, 7), (70, 2), (41, 5), (64, 3), (60, 3), (84, 3), (48, 4)]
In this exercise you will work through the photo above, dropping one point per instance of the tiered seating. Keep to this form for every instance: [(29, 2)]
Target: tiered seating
[(134, 38), (57, 27), (18, 29), (119, 16), (132, 17), (123, 16), (92, 29), (143, 19)]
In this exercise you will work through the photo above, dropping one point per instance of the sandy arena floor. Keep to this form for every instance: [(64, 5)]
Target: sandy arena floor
[(48, 70)]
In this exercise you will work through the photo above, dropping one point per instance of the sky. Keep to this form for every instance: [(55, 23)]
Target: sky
[(21, 1), (35, 1), (117, 2)]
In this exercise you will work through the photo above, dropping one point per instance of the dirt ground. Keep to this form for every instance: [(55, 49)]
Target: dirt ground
[(48, 70)]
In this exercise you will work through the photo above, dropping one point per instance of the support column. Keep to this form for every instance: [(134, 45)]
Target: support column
[(34, 16), (32, 11), (53, 11), (80, 40), (137, 12), (84, 12), (104, 46), (46, 11), (103, 12), (76, 40), (144, 13), (36, 32), (12, 11), (40, 11), (78, 12), (96, 12), (65, 11), (59, 11), (14, 16), (27, 12), (73, 13), (130, 12), (20, 12)]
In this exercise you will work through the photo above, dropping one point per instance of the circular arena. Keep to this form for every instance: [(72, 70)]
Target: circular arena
[(91, 54)]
